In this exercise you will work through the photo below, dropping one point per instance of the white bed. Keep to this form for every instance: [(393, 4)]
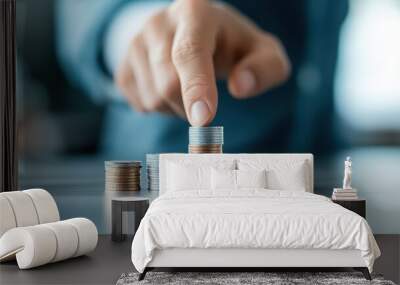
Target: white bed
[(282, 224)]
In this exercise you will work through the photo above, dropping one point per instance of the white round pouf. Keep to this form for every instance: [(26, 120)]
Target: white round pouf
[(7, 218), (30, 230), (23, 208), (33, 246), (46, 207), (67, 240), (87, 232), (37, 245)]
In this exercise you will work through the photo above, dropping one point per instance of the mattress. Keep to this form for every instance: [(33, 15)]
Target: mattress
[(250, 219)]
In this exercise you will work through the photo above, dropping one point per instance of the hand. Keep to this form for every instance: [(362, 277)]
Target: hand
[(172, 64)]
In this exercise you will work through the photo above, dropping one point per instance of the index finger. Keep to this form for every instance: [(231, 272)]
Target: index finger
[(192, 55)]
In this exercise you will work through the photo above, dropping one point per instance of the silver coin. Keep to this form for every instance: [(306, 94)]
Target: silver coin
[(206, 136)]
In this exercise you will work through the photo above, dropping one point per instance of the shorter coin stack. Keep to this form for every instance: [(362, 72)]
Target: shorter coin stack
[(206, 139), (152, 168), (122, 175)]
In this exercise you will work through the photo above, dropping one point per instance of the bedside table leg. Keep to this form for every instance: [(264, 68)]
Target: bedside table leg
[(116, 234)]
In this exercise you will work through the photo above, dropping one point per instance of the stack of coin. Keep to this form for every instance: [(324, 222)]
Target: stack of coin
[(152, 172), (122, 175), (206, 139)]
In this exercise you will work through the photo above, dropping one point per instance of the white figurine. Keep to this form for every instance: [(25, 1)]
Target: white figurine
[(347, 173)]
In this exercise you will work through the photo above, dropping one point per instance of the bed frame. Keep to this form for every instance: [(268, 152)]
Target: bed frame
[(259, 259), (246, 259)]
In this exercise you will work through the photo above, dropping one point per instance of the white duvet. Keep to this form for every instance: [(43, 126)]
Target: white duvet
[(250, 219)]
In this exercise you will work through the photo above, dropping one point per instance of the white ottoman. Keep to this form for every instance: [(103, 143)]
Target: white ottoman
[(31, 232)]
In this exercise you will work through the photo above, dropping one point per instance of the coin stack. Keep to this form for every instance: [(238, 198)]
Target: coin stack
[(152, 172), (122, 175), (206, 139)]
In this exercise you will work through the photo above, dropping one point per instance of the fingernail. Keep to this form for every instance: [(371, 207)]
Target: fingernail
[(199, 113), (246, 82)]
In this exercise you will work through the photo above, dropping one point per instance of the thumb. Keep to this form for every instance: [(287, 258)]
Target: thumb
[(262, 68)]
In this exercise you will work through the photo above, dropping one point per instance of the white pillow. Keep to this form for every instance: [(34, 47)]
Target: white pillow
[(281, 174), (251, 178), (186, 175), (223, 179), (237, 179), (292, 179)]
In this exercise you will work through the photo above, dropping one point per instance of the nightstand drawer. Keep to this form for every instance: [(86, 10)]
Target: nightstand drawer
[(357, 206)]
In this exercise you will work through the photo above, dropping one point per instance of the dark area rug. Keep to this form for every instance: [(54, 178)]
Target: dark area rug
[(244, 278)]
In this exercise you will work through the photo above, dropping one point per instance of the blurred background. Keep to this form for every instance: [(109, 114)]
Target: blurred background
[(61, 128)]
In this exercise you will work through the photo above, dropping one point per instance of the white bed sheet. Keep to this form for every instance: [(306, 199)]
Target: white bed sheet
[(251, 218)]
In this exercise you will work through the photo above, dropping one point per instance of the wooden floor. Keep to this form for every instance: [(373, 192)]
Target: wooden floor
[(110, 260)]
